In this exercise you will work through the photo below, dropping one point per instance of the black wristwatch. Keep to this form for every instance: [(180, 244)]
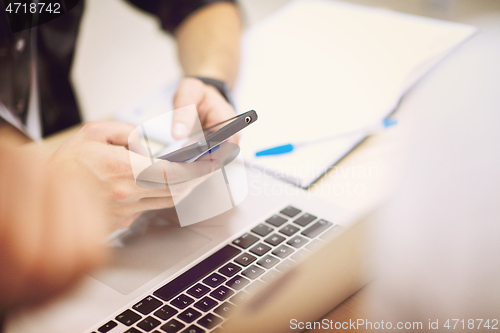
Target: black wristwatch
[(221, 86)]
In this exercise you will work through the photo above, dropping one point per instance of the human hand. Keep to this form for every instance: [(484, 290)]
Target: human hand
[(212, 108), (100, 148), (51, 227)]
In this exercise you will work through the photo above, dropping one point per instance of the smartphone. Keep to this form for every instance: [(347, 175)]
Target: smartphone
[(209, 139)]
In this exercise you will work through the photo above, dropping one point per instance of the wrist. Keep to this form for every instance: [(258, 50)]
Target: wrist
[(221, 86), (216, 69)]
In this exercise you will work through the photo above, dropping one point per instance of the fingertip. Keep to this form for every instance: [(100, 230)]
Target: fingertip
[(189, 91)]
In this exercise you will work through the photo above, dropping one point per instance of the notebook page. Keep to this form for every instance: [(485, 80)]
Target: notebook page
[(317, 68)]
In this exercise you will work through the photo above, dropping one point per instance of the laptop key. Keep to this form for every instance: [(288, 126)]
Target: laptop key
[(268, 261), (317, 228), (290, 211), (165, 312), (148, 323), (255, 286), (173, 326), (242, 296), (283, 251), (205, 304), (128, 317), (230, 269), (237, 282), (107, 327), (210, 321), (285, 266), (193, 329), (198, 290), (214, 280), (274, 239), (132, 330), (289, 230), (315, 245), (262, 230), (276, 220), (297, 241), (195, 273), (252, 272), (331, 233), (245, 241), (224, 309), (260, 249), (305, 219), (300, 255), (182, 301), (245, 259), (270, 276), (222, 293), (147, 305), (189, 315)]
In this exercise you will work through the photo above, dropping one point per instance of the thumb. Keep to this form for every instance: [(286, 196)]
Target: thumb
[(189, 95)]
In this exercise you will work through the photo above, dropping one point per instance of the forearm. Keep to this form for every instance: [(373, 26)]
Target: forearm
[(51, 225), (209, 42)]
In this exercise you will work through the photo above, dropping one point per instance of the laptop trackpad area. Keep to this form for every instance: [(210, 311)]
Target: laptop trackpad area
[(141, 256)]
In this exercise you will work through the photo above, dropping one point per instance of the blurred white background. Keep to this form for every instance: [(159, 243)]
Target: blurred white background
[(123, 54)]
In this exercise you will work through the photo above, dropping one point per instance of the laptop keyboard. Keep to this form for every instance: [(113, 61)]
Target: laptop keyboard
[(201, 298)]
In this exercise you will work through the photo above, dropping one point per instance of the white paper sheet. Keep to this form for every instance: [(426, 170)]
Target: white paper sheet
[(317, 68)]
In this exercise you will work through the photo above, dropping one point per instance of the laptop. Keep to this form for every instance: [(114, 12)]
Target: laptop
[(167, 278)]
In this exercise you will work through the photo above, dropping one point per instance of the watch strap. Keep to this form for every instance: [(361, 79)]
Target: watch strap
[(221, 86)]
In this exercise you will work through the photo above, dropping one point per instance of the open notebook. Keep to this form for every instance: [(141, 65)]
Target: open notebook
[(317, 68)]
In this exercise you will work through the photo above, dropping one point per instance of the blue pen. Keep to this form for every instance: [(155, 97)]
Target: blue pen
[(289, 147)]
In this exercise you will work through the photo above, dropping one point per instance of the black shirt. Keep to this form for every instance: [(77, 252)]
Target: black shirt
[(55, 46)]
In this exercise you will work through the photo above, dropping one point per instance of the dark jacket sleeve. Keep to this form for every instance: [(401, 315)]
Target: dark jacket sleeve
[(55, 50), (172, 13)]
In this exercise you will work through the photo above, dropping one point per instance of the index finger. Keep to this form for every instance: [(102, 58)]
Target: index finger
[(110, 132), (190, 93)]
